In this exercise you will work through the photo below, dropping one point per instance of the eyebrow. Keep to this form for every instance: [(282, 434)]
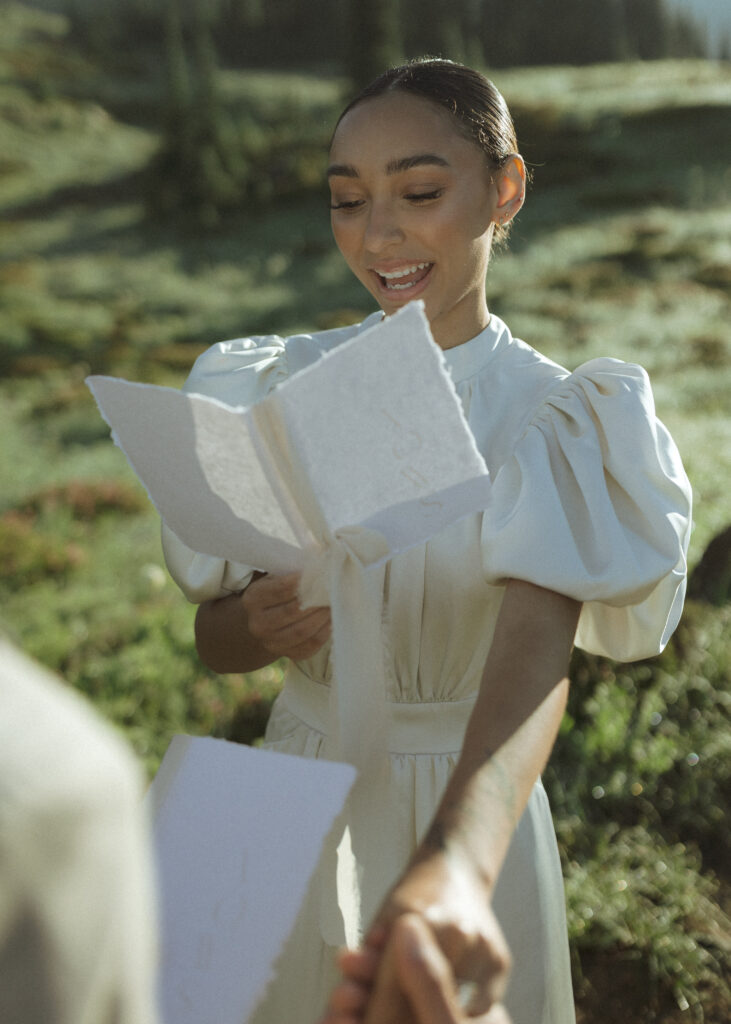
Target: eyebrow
[(392, 167)]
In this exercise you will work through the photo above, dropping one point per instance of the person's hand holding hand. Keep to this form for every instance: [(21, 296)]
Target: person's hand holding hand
[(276, 621), (437, 937), (424, 976), (427, 980)]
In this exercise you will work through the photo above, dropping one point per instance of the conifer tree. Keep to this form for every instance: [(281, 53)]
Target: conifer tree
[(374, 39), (198, 169), (436, 27), (647, 27)]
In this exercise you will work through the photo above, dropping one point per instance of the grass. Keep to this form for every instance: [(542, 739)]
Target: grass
[(623, 249)]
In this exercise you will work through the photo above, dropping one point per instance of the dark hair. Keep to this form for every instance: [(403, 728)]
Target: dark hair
[(477, 106)]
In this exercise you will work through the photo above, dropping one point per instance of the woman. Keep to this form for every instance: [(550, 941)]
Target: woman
[(586, 534)]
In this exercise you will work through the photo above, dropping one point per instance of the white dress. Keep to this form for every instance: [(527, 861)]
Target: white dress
[(589, 499)]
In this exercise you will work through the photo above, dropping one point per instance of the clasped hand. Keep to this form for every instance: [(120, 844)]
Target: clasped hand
[(277, 622), (434, 954)]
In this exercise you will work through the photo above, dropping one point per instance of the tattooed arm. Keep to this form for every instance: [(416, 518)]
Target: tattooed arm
[(451, 877)]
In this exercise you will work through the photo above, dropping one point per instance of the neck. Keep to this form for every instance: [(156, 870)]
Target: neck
[(460, 324)]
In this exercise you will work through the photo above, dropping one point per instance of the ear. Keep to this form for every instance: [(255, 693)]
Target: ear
[(510, 184)]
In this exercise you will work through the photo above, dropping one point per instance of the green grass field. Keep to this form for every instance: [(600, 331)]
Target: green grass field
[(623, 249)]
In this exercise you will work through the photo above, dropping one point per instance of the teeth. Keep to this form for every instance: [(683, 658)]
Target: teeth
[(404, 272)]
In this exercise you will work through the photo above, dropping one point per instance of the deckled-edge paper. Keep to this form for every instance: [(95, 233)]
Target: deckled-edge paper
[(238, 833), (372, 435)]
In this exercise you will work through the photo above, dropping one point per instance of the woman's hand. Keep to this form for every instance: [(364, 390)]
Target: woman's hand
[(427, 991), (465, 957), (427, 980), (275, 619), (244, 632)]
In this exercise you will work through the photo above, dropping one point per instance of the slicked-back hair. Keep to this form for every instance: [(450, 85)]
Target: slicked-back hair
[(476, 105)]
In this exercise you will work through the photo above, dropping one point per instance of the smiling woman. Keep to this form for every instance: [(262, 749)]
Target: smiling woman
[(410, 190), (584, 540)]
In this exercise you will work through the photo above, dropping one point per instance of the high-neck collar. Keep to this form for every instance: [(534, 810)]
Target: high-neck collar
[(466, 359)]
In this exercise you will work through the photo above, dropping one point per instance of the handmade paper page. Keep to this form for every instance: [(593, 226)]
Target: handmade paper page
[(371, 435), (238, 833), (394, 452), (204, 469)]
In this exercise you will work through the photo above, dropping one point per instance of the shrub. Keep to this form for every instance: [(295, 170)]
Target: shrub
[(28, 555), (87, 499), (639, 784)]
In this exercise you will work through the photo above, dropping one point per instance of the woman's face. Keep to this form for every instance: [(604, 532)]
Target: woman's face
[(413, 207)]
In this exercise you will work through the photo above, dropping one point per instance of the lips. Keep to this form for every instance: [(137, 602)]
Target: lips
[(405, 278)]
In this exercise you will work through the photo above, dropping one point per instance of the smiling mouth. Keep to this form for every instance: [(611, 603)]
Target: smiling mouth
[(405, 277)]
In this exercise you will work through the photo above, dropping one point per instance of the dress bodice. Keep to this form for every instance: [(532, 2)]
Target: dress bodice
[(589, 498)]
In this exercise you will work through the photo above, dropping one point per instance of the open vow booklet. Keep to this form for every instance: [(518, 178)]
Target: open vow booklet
[(371, 437)]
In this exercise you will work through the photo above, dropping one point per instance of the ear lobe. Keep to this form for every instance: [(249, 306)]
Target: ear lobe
[(510, 186)]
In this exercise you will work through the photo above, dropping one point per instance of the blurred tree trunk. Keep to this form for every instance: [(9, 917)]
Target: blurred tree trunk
[(374, 39), (474, 54), (647, 25), (687, 38), (177, 79), (437, 27), (603, 34), (504, 33), (197, 169)]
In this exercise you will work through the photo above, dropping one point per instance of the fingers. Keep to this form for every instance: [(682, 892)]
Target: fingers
[(423, 972), (427, 979), (275, 619), (359, 965), (411, 981), (387, 1003), (301, 637), (475, 948), (275, 595), (348, 1001), (484, 967)]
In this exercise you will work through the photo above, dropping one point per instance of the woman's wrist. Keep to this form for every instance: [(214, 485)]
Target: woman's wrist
[(440, 851)]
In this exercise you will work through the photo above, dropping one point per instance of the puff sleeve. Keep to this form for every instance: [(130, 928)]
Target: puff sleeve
[(594, 503), (238, 372)]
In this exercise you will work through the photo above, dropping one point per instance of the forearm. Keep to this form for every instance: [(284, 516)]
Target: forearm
[(223, 639), (511, 731)]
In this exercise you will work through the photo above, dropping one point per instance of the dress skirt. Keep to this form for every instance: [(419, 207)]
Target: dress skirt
[(529, 896)]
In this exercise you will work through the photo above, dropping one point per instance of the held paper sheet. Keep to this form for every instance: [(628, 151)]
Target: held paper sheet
[(238, 833), (372, 435)]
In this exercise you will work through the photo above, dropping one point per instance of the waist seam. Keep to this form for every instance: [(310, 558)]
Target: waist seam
[(415, 727)]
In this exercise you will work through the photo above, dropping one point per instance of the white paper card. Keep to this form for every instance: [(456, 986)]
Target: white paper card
[(238, 833), (371, 435)]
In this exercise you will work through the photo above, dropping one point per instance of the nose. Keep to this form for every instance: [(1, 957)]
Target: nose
[(383, 227)]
